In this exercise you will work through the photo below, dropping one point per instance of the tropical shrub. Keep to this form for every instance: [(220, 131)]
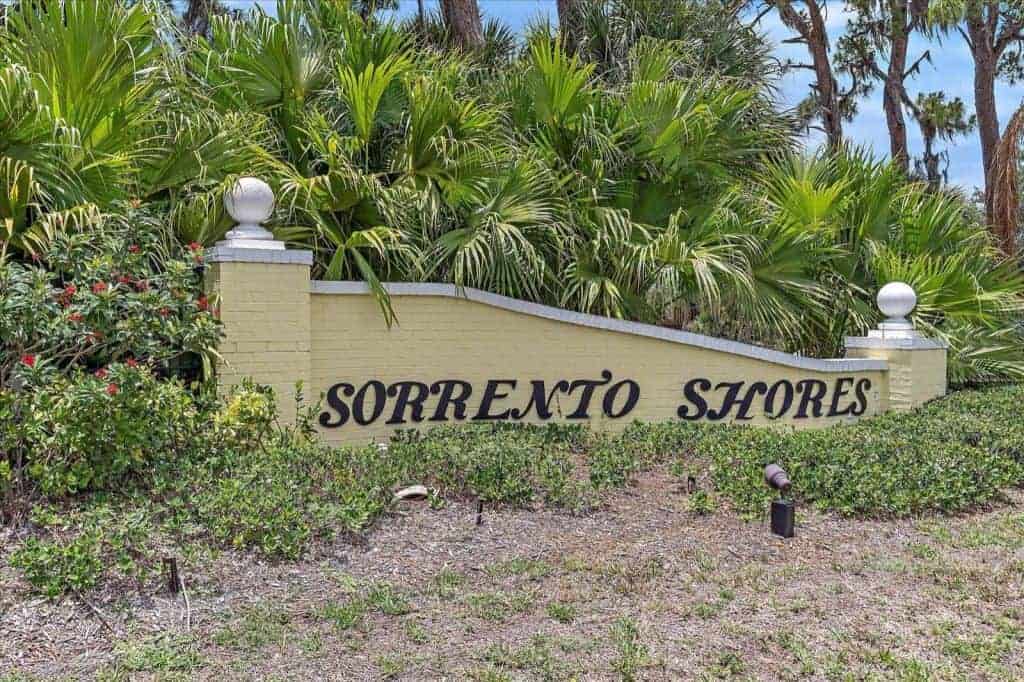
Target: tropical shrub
[(286, 498), (89, 431), (110, 294), (645, 176)]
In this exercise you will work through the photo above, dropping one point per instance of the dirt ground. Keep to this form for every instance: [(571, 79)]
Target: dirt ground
[(643, 589)]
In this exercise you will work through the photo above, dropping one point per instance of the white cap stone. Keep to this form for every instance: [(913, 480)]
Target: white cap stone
[(896, 300), (250, 201)]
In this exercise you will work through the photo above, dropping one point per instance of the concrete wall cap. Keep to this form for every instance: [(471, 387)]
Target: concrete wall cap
[(226, 254), (916, 342)]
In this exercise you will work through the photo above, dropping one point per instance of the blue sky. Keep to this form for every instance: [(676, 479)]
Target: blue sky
[(950, 71)]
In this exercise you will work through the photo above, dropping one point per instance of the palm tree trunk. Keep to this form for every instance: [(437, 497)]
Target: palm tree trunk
[(1005, 188), (568, 22), (985, 66), (892, 96), (197, 16), (462, 17)]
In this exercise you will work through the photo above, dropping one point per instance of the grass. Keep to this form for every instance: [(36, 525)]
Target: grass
[(953, 455), (655, 559), (720, 608)]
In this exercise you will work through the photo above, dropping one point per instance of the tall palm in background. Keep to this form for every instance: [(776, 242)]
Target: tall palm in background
[(648, 175)]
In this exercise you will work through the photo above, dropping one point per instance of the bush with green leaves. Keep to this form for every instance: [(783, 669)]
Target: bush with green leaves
[(55, 567), (111, 294), (89, 431), (647, 174), (283, 493), (951, 455)]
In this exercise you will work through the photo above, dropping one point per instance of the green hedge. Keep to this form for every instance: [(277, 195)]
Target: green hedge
[(246, 484)]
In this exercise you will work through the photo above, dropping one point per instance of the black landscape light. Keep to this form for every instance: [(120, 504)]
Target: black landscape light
[(783, 510)]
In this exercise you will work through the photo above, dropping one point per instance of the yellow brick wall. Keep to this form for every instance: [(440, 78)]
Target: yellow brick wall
[(265, 309), (915, 376), (447, 338)]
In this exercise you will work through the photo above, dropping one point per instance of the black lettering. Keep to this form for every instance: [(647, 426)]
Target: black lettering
[(447, 389), (632, 397), (338, 405), (787, 399), (588, 385), (757, 388), (843, 385), (540, 400), (862, 398), (359, 403), (811, 391), (403, 390), (691, 391), (727, 402), (490, 395)]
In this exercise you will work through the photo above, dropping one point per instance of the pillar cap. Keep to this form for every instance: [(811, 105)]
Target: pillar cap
[(250, 202), (896, 300), (231, 254)]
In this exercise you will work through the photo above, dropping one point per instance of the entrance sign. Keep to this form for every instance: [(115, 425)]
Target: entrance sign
[(467, 356)]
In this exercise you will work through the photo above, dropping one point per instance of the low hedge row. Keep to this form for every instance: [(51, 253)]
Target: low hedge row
[(276, 490)]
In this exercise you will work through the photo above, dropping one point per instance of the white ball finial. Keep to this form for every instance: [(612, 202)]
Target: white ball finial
[(896, 300), (250, 201)]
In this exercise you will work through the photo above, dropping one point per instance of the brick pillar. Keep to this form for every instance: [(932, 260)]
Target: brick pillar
[(917, 364), (263, 292), (264, 302)]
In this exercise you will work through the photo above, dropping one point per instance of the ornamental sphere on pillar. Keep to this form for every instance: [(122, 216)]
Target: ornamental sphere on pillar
[(250, 201), (896, 300)]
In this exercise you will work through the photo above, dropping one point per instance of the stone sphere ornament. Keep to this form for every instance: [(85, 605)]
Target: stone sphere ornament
[(250, 202), (896, 300)]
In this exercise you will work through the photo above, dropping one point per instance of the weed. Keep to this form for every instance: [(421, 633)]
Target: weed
[(632, 652)]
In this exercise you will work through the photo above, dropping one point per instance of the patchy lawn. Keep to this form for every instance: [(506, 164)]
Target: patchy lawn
[(642, 589)]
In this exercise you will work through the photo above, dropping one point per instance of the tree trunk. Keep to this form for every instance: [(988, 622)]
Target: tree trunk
[(828, 89), (892, 95), (931, 159), (197, 17), (569, 22), (985, 64), (1006, 185), (462, 17)]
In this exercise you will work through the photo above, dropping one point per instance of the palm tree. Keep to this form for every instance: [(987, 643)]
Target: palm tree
[(639, 177)]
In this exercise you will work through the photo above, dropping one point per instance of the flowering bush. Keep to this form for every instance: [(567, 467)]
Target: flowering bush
[(88, 431), (102, 297)]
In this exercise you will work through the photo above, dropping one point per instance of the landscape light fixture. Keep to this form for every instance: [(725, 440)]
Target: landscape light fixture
[(783, 510)]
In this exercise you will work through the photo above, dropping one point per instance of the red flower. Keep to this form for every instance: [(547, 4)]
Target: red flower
[(165, 311), (99, 287), (203, 303), (195, 246), (132, 362), (102, 373), (134, 248), (142, 285), (111, 389), (28, 360), (124, 279), (75, 317), (70, 290)]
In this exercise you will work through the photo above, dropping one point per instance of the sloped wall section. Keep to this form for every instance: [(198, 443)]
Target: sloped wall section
[(462, 355)]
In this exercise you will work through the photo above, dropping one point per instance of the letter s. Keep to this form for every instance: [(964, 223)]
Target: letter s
[(690, 392), (338, 405)]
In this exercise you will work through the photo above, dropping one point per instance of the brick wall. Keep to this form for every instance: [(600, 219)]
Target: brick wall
[(282, 328)]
